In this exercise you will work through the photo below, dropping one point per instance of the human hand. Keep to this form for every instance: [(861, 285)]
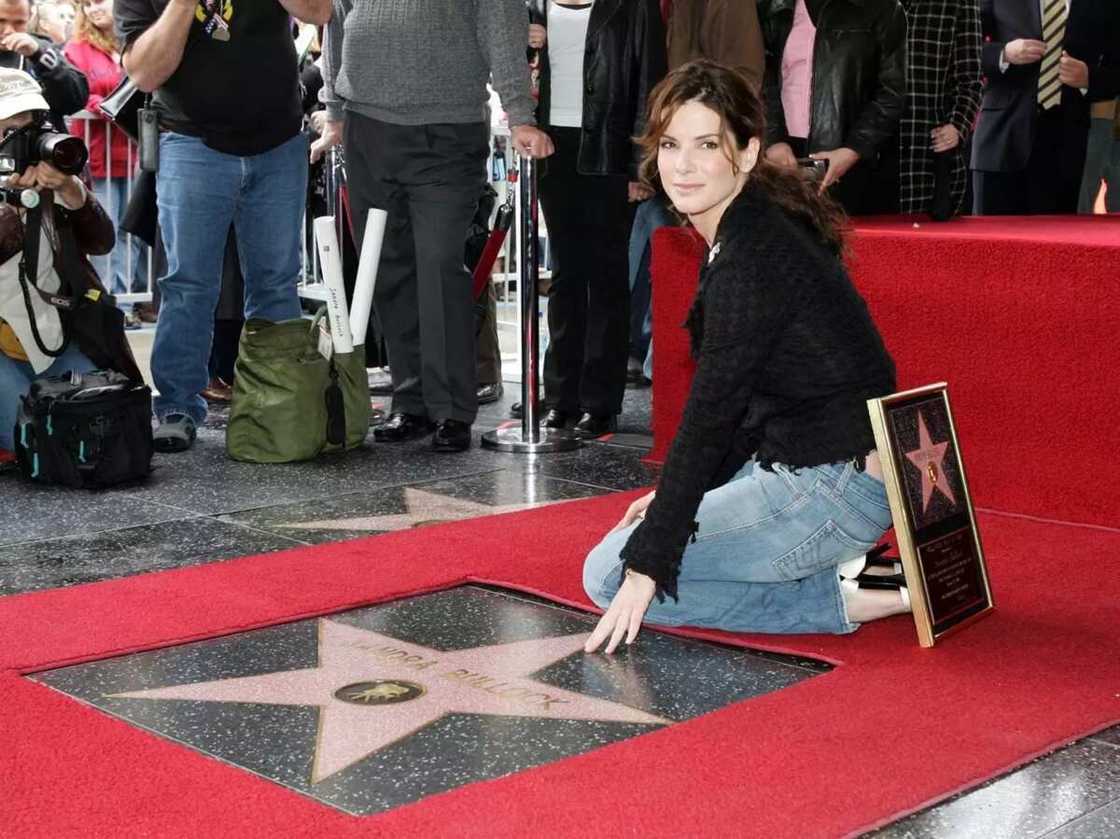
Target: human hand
[(781, 154), (636, 191), (21, 42), (1073, 72), (531, 141), (317, 121), (1024, 51), (635, 511), (944, 138), (538, 36), (624, 617), (330, 135), (840, 162), (44, 176)]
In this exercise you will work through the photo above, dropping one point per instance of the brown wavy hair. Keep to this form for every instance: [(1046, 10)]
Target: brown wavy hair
[(84, 30), (742, 118)]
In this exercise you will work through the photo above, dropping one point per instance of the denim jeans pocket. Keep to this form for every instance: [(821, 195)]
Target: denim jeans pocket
[(825, 548)]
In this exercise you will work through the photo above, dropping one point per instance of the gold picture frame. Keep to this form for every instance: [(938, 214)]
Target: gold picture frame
[(934, 521)]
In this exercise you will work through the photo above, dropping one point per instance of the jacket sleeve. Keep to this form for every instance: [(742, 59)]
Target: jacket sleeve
[(332, 58), (742, 315), (878, 120), (503, 32), (651, 64), (732, 36), (93, 229), (966, 68), (776, 131), (64, 86)]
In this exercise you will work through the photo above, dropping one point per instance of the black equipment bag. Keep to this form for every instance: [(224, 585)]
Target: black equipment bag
[(88, 430)]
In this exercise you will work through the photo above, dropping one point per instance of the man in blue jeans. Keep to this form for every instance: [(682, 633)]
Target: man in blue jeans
[(226, 88)]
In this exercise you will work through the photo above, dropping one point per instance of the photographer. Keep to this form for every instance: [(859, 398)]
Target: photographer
[(64, 87), (36, 338)]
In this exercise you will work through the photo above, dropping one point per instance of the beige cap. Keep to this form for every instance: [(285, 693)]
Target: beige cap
[(19, 92)]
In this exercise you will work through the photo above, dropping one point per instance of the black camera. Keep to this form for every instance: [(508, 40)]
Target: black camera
[(39, 143)]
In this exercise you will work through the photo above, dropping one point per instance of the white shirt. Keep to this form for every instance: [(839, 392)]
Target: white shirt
[(567, 42)]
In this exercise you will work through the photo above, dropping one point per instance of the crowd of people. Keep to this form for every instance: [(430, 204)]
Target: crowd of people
[(936, 107)]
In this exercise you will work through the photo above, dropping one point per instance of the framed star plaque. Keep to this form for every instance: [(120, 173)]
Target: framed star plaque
[(934, 523)]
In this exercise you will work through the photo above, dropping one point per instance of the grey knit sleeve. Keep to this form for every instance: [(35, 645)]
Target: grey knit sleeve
[(332, 58), (503, 35)]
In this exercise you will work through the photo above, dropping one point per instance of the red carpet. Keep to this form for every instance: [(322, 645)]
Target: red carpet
[(892, 729), (1018, 315)]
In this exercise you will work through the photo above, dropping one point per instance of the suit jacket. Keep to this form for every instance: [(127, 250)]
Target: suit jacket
[(625, 58), (1005, 135), (726, 31)]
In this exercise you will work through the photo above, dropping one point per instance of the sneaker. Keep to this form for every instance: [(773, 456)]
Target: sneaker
[(132, 320), (176, 433)]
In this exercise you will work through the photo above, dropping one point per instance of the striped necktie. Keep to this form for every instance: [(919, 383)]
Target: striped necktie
[(1053, 32)]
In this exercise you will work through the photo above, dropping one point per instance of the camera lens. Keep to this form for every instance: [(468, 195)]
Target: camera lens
[(64, 152)]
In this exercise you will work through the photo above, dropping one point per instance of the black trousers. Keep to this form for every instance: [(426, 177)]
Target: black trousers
[(589, 220), (428, 178), (1049, 185)]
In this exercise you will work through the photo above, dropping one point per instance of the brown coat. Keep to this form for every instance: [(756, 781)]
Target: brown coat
[(726, 31)]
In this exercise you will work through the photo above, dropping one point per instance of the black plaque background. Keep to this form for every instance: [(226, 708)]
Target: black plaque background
[(942, 535)]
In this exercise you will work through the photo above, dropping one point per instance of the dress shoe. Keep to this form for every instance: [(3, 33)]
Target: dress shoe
[(400, 427), (489, 393), (555, 418), (218, 391), (635, 373), (452, 436), (595, 425), (516, 411)]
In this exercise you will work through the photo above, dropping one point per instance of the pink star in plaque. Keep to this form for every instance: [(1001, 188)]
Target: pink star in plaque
[(373, 690), (929, 459)]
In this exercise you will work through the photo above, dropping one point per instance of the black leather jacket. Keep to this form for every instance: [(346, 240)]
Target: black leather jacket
[(859, 71), (625, 58)]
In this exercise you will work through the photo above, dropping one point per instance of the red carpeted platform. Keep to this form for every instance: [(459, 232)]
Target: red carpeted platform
[(1018, 315), (891, 729)]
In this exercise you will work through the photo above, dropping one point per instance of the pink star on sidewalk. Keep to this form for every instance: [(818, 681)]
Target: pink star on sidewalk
[(929, 458), (373, 690)]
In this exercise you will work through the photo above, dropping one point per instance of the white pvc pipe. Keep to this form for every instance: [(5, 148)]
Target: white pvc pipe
[(367, 274), (337, 311)]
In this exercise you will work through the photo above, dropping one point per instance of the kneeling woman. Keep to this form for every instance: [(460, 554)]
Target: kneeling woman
[(772, 481)]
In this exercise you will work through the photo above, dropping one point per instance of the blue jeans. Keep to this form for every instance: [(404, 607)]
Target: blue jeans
[(765, 556), (125, 269), (200, 193), (650, 215), (15, 381)]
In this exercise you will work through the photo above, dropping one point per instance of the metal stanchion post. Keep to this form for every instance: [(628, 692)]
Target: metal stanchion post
[(530, 438)]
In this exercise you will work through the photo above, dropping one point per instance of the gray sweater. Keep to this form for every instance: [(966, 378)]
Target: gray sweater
[(420, 62)]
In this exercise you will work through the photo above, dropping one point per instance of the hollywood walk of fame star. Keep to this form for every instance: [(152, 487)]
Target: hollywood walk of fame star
[(929, 459), (490, 680), (423, 508)]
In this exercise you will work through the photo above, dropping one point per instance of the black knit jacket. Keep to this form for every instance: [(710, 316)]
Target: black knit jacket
[(787, 357)]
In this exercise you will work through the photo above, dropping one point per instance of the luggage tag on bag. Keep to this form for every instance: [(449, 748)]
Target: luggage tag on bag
[(326, 345)]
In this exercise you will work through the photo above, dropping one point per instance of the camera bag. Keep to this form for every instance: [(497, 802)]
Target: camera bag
[(89, 430)]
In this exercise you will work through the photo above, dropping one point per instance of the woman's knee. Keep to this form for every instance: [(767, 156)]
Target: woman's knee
[(601, 571)]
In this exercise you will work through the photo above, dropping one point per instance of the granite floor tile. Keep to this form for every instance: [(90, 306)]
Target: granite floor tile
[(399, 508), (1102, 823), (1110, 735), (109, 554), (373, 708), (42, 512), (1031, 802)]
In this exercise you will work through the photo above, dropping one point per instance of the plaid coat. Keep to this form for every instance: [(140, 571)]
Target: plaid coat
[(944, 74)]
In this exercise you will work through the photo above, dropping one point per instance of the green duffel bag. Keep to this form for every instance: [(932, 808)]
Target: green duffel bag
[(289, 402)]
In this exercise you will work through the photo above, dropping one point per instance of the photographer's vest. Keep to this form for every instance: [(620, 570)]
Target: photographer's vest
[(16, 338)]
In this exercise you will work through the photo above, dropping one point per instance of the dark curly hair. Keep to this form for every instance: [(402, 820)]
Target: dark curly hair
[(742, 117)]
